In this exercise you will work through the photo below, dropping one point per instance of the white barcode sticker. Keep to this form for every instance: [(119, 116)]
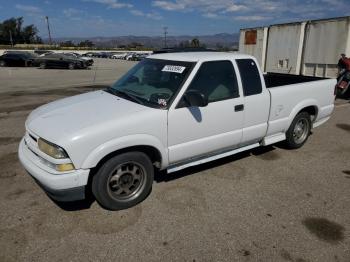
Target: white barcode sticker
[(173, 69)]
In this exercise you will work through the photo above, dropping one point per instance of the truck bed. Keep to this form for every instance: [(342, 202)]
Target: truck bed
[(276, 79), (291, 93)]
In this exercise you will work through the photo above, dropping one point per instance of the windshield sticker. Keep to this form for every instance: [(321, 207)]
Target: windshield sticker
[(173, 69), (162, 102)]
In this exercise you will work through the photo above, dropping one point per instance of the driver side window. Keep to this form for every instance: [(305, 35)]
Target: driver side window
[(216, 80)]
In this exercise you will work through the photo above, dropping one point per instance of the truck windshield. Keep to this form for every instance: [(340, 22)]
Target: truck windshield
[(153, 82)]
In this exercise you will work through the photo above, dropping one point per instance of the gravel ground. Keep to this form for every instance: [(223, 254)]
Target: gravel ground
[(268, 204)]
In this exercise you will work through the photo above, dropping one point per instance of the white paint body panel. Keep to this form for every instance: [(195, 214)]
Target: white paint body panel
[(288, 101), (92, 125)]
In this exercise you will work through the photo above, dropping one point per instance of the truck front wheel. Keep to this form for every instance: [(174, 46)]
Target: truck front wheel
[(123, 181), (298, 131)]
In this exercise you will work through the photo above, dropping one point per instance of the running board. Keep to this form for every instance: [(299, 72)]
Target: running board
[(183, 165)]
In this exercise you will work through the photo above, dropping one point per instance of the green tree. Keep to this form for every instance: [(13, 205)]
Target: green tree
[(29, 34), (195, 42), (67, 44), (86, 43), (13, 29)]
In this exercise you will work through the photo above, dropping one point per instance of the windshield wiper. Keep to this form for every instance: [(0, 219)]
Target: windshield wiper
[(124, 94)]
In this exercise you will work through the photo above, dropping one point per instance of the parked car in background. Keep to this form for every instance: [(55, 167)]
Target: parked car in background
[(12, 58), (89, 61), (103, 55), (60, 61), (97, 54), (139, 57), (42, 52), (129, 56), (89, 54), (119, 56)]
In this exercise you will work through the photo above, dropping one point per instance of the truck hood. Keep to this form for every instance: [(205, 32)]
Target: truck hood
[(64, 119)]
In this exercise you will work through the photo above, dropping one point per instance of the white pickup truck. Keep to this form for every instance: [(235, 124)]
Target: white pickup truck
[(170, 111)]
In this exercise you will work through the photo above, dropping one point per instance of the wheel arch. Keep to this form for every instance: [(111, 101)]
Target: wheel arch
[(311, 110), (309, 106), (147, 144), (152, 152)]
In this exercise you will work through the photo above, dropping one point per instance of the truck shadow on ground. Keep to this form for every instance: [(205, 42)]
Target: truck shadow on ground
[(76, 205), (264, 153)]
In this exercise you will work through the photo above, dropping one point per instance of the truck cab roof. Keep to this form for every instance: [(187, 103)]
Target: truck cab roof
[(199, 56)]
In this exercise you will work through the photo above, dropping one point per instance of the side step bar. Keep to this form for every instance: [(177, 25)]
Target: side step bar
[(203, 160)]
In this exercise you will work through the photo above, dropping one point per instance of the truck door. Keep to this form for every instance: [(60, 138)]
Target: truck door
[(196, 131), (256, 101)]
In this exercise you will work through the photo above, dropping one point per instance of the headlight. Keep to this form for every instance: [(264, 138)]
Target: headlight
[(64, 167), (51, 149)]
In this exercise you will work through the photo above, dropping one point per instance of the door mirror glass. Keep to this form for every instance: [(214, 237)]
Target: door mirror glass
[(195, 98)]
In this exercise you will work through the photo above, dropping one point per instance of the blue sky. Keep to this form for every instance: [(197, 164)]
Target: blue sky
[(85, 18)]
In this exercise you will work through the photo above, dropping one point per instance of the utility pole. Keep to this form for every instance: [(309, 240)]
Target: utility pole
[(165, 28), (48, 29), (11, 40)]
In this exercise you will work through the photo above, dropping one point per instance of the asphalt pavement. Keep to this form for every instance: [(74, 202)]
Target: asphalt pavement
[(267, 204)]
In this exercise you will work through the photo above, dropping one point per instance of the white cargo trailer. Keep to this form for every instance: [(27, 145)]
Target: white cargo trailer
[(325, 40), (253, 42), (309, 48), (284, 48)]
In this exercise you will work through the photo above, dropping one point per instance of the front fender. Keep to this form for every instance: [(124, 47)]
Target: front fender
[(124, 142)]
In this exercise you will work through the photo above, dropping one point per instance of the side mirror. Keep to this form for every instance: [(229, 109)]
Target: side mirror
[(195, 98)]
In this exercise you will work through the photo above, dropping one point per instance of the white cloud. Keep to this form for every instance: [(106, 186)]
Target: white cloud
[(208, 8), (71, 12), (170, 6), (115, 4), (152, 15), (199, 5), (210, 15), (255, 10), (235, 8), (28, 8), (137, 12), (251, 18)]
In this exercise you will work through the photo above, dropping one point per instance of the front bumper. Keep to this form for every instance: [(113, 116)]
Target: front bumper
[(69, 186)]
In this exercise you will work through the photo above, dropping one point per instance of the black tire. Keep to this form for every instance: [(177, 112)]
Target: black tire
[(123, 181), (42, 65), (298, 131), (2, 63), (71, 66)]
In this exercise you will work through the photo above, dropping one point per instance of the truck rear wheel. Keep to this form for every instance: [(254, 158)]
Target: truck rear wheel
[(123, 181), (298, 131)]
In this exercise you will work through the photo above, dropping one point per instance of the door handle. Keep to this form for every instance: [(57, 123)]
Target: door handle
[(239, 108)]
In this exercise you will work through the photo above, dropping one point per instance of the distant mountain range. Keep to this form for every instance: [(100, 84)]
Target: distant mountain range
[(212, 41)]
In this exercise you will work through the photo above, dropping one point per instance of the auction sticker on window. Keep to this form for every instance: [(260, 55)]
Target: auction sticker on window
[(173, 69)]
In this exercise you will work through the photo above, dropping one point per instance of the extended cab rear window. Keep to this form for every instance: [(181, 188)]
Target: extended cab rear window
[(250, 77)]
